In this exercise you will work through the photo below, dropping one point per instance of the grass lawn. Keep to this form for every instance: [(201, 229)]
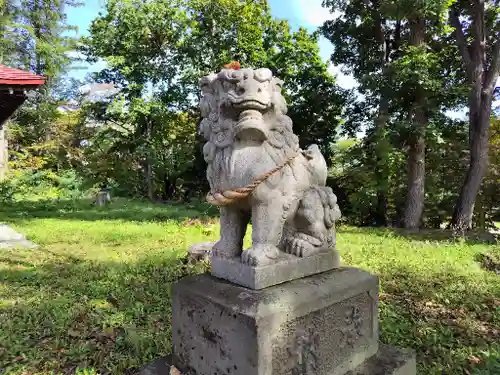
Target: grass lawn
[(95, 297)]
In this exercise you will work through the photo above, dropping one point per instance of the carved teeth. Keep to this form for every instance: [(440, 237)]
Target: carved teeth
[(250, 104), (250, 114)]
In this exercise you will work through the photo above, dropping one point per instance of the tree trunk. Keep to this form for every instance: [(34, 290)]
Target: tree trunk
[(482, 68), (169, 188), (149, 165), (380, 138), (481, 212), (4, 151), (415, 197), (381, 168), (464, 209)]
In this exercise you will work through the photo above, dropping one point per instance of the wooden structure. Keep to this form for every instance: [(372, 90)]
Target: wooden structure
[(14, 86)]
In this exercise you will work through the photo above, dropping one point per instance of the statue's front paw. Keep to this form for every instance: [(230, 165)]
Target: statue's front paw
[(300, 248), (260, 255), (303, 245), (223, 249)]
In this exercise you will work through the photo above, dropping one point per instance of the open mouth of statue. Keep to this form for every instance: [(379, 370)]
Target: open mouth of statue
[(250, 126), (248, 103)]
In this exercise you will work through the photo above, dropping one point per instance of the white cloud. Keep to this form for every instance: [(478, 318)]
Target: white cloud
[(343, 80), (74, 55), (311, 12)]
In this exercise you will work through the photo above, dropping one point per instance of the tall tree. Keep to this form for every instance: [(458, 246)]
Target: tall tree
[(423, 86), (43, 47), (390, 47), (477, 36), (165, 46), (8, 12), (365, 44), (414, 205)]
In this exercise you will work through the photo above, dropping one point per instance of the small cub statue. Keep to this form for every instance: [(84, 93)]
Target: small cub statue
[(257, 171)]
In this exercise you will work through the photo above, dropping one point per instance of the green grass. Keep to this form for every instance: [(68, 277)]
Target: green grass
[(95, 297)]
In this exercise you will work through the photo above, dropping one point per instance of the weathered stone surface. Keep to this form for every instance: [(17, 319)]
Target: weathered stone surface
[(257, 171), (160, 366), (287, 268), (9, 238), (388, 361), (324, 324), (103, 198), (201, 251)]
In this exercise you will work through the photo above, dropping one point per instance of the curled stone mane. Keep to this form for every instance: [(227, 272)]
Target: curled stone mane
[(220, 118), (215, 89)]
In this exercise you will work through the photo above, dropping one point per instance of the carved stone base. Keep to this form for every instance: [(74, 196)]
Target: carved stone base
[(325, 324), (286, 268), (388, 361)]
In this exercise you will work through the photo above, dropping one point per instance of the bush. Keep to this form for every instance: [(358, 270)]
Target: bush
[(40, 185), (7, 190)]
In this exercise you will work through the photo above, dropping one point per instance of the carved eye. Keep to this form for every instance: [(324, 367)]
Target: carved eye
[(278, 83), (206, 81), (227, 86), (235, 75), (204, 86), (263, 75)]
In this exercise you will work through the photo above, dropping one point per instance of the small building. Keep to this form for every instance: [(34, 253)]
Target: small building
[(14, 86)]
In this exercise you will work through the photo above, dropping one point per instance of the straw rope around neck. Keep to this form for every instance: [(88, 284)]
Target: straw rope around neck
[(229, 197)]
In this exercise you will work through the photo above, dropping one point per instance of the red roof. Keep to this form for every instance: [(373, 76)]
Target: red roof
[(10, 76)]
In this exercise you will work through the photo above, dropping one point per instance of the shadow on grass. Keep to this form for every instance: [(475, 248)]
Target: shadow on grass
[(119, 209), (433, 235), (490, 261), (71, 314), (452, 323)]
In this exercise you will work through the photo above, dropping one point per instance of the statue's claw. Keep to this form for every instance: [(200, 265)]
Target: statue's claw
[(300, 248), (260, 255)]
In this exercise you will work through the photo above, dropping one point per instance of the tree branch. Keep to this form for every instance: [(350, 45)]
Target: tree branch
[(461, 41), (478, 31), (494, 71)]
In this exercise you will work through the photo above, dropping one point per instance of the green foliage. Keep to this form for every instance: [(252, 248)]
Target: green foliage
[(41, 34), (24, 185), (446, 160), (42, 40), (357, 184), (158, 50), (132, 135), (410, 75), (143, 142), (487, 205), (7, 190), (90, 306)]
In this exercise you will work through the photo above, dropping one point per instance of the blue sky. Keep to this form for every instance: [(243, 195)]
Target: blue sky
[(307, 13)]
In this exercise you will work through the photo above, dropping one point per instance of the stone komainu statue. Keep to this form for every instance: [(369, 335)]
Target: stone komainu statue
[(257, 171)]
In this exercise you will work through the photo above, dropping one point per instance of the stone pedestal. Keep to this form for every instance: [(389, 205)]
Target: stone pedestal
[(286, 268), (325, 324)]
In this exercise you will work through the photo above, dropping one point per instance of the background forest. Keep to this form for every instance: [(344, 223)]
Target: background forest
[(396, 156), (413, 143)]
